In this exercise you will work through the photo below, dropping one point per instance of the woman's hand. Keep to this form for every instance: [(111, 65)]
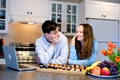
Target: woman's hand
[(73, 40)]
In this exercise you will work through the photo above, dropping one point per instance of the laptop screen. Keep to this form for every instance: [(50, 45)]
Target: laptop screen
[(10, 57)]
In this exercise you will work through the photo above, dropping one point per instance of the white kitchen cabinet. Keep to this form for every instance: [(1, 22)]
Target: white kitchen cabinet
[(29, 9), (101, 10), (4, 18), (66, 15)]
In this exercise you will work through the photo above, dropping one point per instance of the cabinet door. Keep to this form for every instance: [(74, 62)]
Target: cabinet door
[(111, 11), (29, 10), (4, 16), (102, 10), (65, 14), (39, 8), (57, 8), (93, 9), (18, 7), (71, 18)]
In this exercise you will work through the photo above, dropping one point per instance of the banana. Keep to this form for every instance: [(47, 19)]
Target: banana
[(93, 65)]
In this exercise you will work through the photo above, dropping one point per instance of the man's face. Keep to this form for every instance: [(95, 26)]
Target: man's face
[(53, 35)]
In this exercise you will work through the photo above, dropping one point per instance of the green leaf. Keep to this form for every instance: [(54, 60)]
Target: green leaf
[(112, 57), (119, 66), (115, 51), (118, 54)]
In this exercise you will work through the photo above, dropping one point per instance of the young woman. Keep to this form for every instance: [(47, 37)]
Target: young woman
[(83, 48)]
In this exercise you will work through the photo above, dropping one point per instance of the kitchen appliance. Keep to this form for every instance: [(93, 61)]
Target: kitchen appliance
[(104, 31), (25, 52)]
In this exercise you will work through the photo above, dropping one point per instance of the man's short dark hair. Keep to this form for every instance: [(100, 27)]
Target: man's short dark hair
[(49, 26)]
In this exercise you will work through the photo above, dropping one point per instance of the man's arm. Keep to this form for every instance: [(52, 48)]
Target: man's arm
[(44, 52), (62, 58)]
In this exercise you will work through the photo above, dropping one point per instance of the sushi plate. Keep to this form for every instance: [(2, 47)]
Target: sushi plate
[(62, 71)]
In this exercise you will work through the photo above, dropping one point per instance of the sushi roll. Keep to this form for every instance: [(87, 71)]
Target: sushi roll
[(77, 69), (63, 67), (68, 67)]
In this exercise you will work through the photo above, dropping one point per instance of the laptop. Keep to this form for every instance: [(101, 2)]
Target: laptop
[(11, 59)]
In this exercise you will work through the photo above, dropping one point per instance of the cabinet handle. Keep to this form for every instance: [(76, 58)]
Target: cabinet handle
[(104, 15), (30, 12), (101, 15), (27, 12)]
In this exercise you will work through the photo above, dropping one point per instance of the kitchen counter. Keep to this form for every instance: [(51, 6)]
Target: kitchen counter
[(10, 74)]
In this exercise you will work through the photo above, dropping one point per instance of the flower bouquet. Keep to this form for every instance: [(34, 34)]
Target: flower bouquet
[(113, 53)]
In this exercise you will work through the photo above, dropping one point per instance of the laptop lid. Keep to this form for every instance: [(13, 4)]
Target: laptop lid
[(11, 60)]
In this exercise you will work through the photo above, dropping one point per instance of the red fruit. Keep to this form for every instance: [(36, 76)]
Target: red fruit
[(104, 52), (96, 70), (105, 71)]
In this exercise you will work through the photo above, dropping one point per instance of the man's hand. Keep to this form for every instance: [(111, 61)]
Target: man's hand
[(55, 40)]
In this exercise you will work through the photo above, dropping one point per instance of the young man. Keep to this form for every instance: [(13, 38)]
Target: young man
[(52, 47)]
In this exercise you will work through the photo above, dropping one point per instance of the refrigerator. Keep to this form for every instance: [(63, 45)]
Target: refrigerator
[(104, 31)]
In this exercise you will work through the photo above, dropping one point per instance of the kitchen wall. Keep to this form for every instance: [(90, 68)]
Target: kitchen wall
[(23, 33)]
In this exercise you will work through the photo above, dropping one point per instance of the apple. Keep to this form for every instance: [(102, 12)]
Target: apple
[(105, 71), (96, 70)]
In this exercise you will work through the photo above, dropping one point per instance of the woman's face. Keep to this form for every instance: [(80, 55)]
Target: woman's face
[(79, 33)]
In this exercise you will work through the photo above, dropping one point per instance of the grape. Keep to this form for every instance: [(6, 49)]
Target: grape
[(115, 73), (114, 70)]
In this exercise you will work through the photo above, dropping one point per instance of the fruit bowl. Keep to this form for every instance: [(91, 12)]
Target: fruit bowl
[(103, 69), (111, 76)]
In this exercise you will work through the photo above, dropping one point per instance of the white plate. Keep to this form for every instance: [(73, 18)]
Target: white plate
[(103, 76)]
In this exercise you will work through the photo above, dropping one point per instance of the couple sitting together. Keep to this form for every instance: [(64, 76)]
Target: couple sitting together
[(52, 47)]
